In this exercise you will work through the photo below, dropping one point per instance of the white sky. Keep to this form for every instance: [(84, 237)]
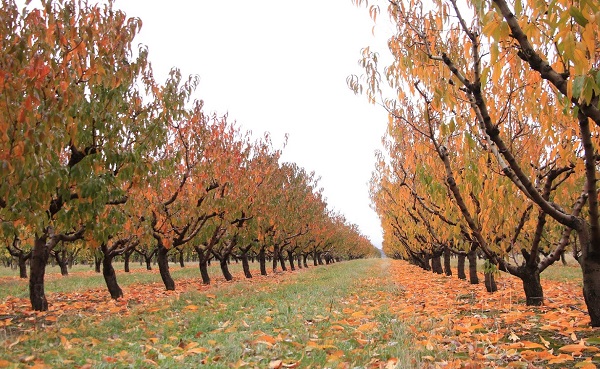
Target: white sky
[(281, 66)]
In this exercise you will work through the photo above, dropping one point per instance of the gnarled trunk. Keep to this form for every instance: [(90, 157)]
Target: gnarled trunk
[(203, 265), (61, 259), (163, 266), (225, 268), (39, 259), (245, 265), (282, 261), (110, 277), (126, 256)]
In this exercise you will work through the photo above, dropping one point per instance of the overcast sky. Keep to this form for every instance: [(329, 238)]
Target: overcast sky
[(281, 66)]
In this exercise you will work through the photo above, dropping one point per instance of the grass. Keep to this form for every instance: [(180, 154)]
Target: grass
[(320, 317), (82, 277)]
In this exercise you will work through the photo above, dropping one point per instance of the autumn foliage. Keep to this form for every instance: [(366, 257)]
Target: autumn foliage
[(491, 147), (97, 154)]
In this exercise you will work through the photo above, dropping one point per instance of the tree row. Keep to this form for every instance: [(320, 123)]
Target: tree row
[(95, 152)]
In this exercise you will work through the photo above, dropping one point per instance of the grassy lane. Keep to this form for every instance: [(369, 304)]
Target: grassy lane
[(333, 316)]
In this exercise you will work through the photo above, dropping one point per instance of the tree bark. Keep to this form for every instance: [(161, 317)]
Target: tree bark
[(461, 267), (163, 266), (203, 264), (472, 258), (22, 261), (291, 260), (282, 260), (490, 282), (39, 259), (534, 294), (61, 259), (262, 261), (225, 268), (97, 263), (126, 257), (110, 277), (275, 257), (590, 265), (181, 261), (436, 264), (299, 261), (246, 265), (304, 260), (447, 267)]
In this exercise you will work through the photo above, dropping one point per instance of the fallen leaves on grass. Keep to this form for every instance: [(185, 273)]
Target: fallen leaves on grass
[(447, 315)]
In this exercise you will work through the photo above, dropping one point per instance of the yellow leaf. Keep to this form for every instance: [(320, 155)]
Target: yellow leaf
[(197, 350), (367, 327), (266, 339), (65, 342), (67, 330)]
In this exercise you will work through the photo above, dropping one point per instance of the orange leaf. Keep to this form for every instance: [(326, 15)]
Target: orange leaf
[(197, 350), (560, 359), (266, 339), (578, 348)]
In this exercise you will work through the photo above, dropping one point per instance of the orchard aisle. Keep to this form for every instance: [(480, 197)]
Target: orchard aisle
[(376, 313)]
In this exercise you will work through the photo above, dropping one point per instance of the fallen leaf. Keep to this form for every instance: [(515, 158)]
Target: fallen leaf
[(275, 364)]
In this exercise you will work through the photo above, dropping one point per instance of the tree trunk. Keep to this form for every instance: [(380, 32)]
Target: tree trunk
[(590, 265), (304, 260), (490, 282), (534, 294), (110, 277), (225, 268), (126, 257), (262, 261), (203, 264), (319, 259), (163, 266), (22, 260), (447, 267), (39, 259), (472, 258), (436, 264), (291, 259), (299, 261), (461, 267), (97, 263), (246, 265), (275, 257), (61, 259), (181, 262), (148, 260), (282, 260)]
